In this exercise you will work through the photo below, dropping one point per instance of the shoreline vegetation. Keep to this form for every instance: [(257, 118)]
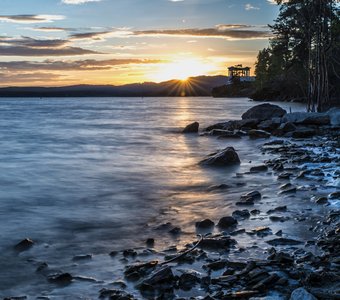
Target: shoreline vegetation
[(305, 154)]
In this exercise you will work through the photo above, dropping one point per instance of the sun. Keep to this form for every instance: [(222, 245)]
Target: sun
[(181, 69)]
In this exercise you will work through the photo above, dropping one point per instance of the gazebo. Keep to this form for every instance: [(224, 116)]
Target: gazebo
[(238, 71)]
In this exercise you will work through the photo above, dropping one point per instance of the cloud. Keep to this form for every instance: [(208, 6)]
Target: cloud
[(76, 2), (9, 78), (67, 65), (90, 35), (225, 31), (250, 7), (31, 18), (27, 46), (51, 28)]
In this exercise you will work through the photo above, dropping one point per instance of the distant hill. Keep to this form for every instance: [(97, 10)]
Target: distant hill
[(194, 86)]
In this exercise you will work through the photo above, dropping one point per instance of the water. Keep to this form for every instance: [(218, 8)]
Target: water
[(94, 175)]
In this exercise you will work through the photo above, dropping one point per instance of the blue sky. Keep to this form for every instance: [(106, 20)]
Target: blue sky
[(62, 42)]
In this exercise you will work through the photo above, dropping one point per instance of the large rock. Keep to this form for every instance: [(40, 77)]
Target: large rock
[(301, 294), (307, 118), (191, 128), (263, 112), (227, 222), (225, 157)]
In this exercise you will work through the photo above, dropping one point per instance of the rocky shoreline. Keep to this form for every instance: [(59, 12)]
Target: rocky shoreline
[(306, 159)]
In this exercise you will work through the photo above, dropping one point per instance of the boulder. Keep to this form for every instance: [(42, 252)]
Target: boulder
[(225, 157), (301, 294), (287, 127), (258, 134), (263, 112), (191, 128)]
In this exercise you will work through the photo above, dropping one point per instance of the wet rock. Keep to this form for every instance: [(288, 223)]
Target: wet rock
[(262, 231), (255, 212), (241, 214), (164, 275), (191, 128), (24, 245), (302, 133), (283, 242), (113, 253), (274, 142), (225, 157), (16, 298), (264, 111), (321, 200), (82, 257), (254, 195), (301, 294), (230, 135), (63, 278), (287, 127), (285, 175), (205, 224), (150, 242), (258, 134), (261, 168), (237, 232), (278, 218), (222, 186), (136, 271), (175, 231), (277, 209), (281, 257), (129, 253), (334, 195), (114, 294), (188, 279), (227, 222), (268, 125), (288, 190), (217, 243), (216, 265)]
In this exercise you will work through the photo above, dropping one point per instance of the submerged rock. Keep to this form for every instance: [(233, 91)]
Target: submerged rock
[(191, 128), (261, 168), (225, 157), (264, 111), (63, 278)]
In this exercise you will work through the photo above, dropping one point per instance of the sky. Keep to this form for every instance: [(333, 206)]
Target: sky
[(67, 42)]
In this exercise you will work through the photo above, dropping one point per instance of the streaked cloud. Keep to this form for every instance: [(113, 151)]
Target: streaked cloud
[(226, 31), (27, 46), (77, 65), (31, 18)]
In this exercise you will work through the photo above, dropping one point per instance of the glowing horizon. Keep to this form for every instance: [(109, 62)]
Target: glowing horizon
[(58, 43)]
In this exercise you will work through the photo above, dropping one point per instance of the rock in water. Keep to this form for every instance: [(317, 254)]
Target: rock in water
[(226, 222), (225, 157), (191, 128), (24, 245), (301, 294), (264, 111), (205, 224)]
